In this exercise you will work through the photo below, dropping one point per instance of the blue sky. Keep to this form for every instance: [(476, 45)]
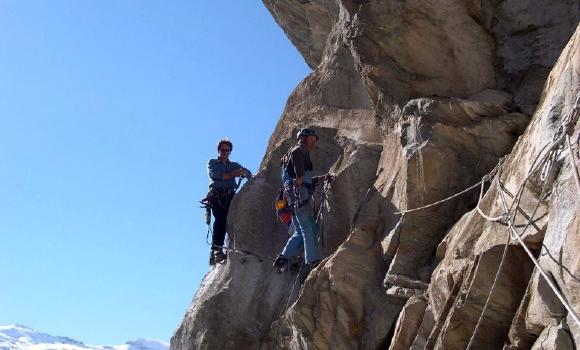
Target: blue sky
[(109, 110)]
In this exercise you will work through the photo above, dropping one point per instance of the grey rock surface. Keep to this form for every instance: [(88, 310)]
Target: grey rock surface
[(414, 102)]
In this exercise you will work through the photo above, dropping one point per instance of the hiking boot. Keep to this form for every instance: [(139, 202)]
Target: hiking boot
[(314, 264), (219, 256), (295, 266), (280, 263)]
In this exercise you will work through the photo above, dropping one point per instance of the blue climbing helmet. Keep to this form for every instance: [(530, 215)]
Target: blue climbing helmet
[(306, 132)]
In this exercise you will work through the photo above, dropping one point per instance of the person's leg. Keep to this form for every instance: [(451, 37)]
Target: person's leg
[(294, 242), (220, 214), (308, 229)]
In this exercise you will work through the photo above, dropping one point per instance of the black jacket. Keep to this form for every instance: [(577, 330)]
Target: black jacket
[(297, 161)]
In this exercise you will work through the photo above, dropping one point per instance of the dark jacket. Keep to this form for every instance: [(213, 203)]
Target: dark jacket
[(297, 161)]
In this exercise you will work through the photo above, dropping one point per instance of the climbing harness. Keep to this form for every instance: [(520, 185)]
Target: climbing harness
[(281, 204), (212, 199), (215, 197), (298, 201)]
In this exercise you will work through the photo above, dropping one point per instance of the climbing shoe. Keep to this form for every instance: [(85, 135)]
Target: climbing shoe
[(219, 256), (280, 263), (211, 258)]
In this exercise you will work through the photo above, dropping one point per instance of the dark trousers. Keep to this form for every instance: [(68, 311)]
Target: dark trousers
[(220, 210)]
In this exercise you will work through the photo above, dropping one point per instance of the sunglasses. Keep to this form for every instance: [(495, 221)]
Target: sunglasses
[(224, 150)]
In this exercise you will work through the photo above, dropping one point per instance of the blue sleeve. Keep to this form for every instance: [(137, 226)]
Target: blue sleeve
[(238, 166), (213, 170)]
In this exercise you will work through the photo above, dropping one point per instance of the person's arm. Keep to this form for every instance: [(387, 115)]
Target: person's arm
[(246, 173), (238, 171), (232, 174), (216, 173)]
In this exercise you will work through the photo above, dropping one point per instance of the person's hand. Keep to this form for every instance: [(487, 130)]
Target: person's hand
[(237, 172), (298, 182)]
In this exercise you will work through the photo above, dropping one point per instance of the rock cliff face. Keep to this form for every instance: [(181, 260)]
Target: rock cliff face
[(416, 102)]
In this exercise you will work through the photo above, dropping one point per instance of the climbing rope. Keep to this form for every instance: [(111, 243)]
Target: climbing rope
[(491, 290), (320, 213), (510, 220), (546, 164), (558, 138), (403, 212), (208, 234), (274, 315), (496, 277), (245, 252), (494, 218), (573, 163), (540, 269), (483, 180), (283, 311)]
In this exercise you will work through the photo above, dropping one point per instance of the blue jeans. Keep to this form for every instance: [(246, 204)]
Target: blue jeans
[(303, 222)]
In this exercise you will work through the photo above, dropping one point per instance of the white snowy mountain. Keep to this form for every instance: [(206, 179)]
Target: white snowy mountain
[(17, 337)]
